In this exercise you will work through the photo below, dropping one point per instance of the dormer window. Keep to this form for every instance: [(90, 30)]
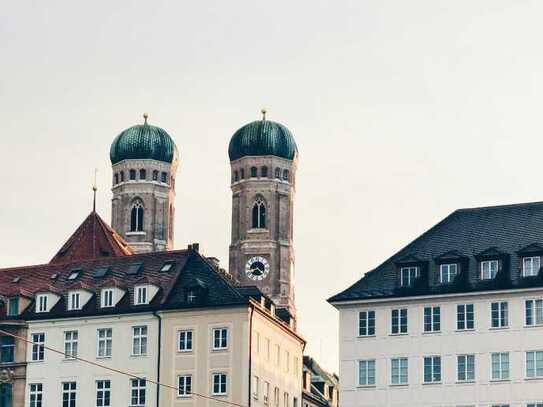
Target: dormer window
[(74, 301), (408, 275), (489, 269), (107, 297), (447, 273), (41, 302), (74, 274), (140, 296), (531, 266), (13, 307), (191, 296)]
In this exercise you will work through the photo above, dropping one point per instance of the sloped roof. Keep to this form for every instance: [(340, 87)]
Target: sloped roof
[(93, 239), (467, 234)]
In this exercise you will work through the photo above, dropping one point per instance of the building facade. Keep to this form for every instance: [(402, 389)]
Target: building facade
[(453, 319), (320, 388), (12, 359)]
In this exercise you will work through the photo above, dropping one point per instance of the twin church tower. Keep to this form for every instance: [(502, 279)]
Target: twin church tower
[(263, 159)]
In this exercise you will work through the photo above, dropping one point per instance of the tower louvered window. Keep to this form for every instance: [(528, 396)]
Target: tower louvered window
[(259, 214), (136, 217)]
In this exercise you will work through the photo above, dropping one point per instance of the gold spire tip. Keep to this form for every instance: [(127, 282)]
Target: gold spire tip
[(145, 116), (263, 111)]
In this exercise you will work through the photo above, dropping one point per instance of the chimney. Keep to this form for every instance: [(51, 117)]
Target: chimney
[(196, 247)]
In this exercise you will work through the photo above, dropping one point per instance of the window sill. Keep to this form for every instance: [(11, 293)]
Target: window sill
[(400, 334), (472, 330), (103, 357), (465, 382), (185, 351), (534, 379), (135, 233), (431, 332), (184, 397), (69, 360), (138, 356), (219, 349), (366, 386), (533, 326), (432, 383), (365, 336), (498, 381), (498, 328), (220, 394), (399, 385)]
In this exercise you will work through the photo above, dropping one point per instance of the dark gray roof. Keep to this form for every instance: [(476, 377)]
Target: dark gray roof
[(465, 237)]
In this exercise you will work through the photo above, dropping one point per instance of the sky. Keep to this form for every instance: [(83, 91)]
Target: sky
[(402, 112)]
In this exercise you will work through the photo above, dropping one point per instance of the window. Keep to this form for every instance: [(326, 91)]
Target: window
[(155, 175), (259, 214), (268, 348), (500, 365), (143, 174), (220, 338), (534, 404), (366, 323), (242, 173), (408, 275), (70, 344), (499, 314), (236, 176), (132, 175), (399, 371), (38, 347), (276, 396), (447, 273), (139, 340), (136, 217), (184, 385), (137, 392), (13, 306), (107, 297), (167, 266), (534, 364), (531, 266), (116, 179), (464, 317), (534, 312), (184, 341), (432, 369), (432, 319), (285, 175), (253, 172), (285, 399), (74, 274), (141, 295), (219, 384), (287, 361), (42, 303), (256, 386), (74, 301), (103, 393), (266, 393), (164, 177), (399, 321), (69, 394), (278, 173), (7, 349), (489, 269), (36, 395), (105, 342), (465, 368), (295, 402), (122, 176)]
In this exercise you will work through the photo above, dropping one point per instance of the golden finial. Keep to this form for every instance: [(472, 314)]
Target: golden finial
[(94, 189), (145, 116), (263, 111)]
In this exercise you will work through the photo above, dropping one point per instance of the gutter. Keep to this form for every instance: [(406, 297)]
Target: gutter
[(250, 352), (158, 356)]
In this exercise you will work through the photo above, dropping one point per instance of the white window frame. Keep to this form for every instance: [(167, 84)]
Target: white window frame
[(433, 372), (411, 275), (71, 339), (538, 364), (399, 320), (531, 266), (184, 386), (266, 393), (256, 387), (399, 371), (462, 317), (489, 273), (502, 314), (467, 373), (141, 295), (276, 396), (104, 341), (71, 391), (103, 393), (38, 347), (503, 374), (450, 270), (221, 380), (286, 399), (367, 320), (536, 312), (41, 303), (74, 301), (435, 319), (106, 298), (35, 395), (140, 387), (140, 340), (220, 335), (185, 337)]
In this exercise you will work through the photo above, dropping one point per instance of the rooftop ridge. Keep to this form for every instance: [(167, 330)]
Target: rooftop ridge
[(503, 206)]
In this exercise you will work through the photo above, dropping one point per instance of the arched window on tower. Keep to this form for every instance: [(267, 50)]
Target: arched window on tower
[(278, 173), (132, 175), (259, 214), (285, 175), (264, 172), (164, 177), (242, 173), (236, 176), (122, 176), (116, 179), (253, 172), (155, 175), (143, 174), (136, 217)]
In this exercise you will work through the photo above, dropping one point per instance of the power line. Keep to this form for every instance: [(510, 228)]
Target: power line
[(168, 386)]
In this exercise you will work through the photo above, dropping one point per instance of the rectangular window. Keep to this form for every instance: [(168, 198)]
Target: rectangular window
[(266, 393), (534, 312), (366, 372), (268, 348), (220, 338), (287, 361), (103, 393), (256, 387), (399, 321), (432, 319), (534, 404), (432, 369), (137, 392), (13, 307), (107, 297), (184, 341), (499, 314), (399, 371), (105, 342), (447, 273), (7, 349), (366, 323), (36, 395), (285, 399), (42, 303), (139, 340), (184, 386), (465, 368), (464, 317), (69, 390), (408, 275), (534, 364), (531, 266), (489, 269), (74, 301), (70, 344), (276, 396), (38, 347), (141, 295), (219, 384), (277, 355), (500, 365)]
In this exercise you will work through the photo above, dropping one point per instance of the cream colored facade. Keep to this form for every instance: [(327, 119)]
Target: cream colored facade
[(243, 357)]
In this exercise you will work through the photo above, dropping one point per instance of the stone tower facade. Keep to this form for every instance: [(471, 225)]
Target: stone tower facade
[(263, 189)]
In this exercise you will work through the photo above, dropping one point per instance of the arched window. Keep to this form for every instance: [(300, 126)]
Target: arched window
[(278, 173), (136, 217), (253, 172), (236, 176), (122, 176), (116, 178), (164, 177), (285, 175), (264, 172), (259, 214), (132, 175), (143, 174), (242, 173), (155, 175)]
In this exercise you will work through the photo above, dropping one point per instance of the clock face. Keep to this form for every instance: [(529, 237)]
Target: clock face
[(257, 268)]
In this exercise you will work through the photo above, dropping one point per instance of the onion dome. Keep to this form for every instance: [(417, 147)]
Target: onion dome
[(143, 141), (262, 137)]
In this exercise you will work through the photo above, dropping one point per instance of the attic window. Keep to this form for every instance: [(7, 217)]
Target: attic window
[(167, 266), (54, 276), (74, 274), (16, 279), (100, 272), (134, 268)]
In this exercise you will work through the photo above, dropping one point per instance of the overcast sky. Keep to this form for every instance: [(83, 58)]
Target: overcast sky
[(402, 112)]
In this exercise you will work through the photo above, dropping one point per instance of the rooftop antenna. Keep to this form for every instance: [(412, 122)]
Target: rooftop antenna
[(94, 189)]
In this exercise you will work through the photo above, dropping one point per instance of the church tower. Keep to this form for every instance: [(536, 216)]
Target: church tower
[(144, 159), (263, 159)]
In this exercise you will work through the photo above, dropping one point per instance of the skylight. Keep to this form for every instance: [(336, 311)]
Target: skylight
[(54, 276), (167, 266), (74, 274), (134, 268), (100, 272), (16, 279)]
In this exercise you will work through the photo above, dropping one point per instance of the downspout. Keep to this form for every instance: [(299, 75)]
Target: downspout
[(250, 351), (158, 357)]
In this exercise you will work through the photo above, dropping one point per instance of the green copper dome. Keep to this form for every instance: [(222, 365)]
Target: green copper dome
[(143, 141), (262, 137)]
